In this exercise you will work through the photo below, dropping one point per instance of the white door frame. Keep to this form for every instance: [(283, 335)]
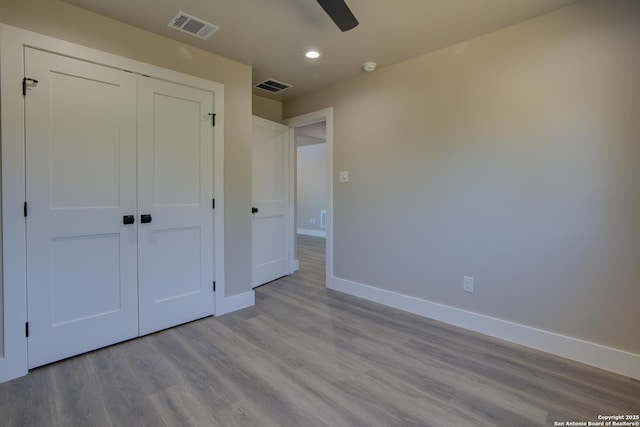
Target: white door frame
[(324, 115), (13, 355)]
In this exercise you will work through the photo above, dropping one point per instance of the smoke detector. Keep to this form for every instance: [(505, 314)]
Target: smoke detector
[(369, 67)]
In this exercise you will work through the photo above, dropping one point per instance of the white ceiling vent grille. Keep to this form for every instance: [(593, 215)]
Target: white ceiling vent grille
[(194, 26), (273, 86)]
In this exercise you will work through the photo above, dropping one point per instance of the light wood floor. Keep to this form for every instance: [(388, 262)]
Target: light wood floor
[(306, 356)]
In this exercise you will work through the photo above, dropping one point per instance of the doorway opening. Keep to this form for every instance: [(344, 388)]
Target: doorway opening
[(311, 199), (312, 192)]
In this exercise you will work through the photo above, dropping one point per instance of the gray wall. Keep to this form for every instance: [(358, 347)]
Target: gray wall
[(311, 183), (1, 275), (513, 158), (267, 108)]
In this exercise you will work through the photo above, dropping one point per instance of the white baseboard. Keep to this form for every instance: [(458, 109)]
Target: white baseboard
[(235, 302), (610, 359), (309, 232), (295, 266)]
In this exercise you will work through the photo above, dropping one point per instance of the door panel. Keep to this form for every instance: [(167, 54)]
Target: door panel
[(270, 225), (176, 189), (99, 294), (83, 126), (81, 180), (176, 151)]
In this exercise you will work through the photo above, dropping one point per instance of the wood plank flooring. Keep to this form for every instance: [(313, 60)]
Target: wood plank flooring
[(307, 356)]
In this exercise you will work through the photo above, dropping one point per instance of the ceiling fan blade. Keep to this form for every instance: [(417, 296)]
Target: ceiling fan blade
[(340, 13)]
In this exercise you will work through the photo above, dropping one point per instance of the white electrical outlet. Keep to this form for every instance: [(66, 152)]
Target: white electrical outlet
[(467, 285), (343, 177)]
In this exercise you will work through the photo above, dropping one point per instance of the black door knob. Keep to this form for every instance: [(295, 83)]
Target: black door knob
[(128, 219), (145, 219), (254, 210)]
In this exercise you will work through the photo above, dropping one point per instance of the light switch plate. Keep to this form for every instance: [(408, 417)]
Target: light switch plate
[(343, 177), (467, 285)]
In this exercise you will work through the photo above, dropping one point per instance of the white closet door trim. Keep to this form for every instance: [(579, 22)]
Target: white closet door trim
[(13, 358), (13, 362)]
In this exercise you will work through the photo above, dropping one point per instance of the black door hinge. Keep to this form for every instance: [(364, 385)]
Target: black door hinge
[(26, 329), (24, 84), (213, 203), (214, 286), (213, 119), (24, 209)]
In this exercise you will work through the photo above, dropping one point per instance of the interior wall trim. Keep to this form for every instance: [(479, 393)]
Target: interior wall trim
[(600, 356)]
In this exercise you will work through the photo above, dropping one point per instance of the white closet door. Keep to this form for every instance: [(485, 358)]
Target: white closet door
[(270, 188), (175, 249), (81, 181)]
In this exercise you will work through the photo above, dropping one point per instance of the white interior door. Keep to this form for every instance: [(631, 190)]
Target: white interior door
[(80, 182), (101, 145), (270, 210), (175, 190)]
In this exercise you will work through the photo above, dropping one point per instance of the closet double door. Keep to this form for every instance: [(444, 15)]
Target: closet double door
[(118, 213)]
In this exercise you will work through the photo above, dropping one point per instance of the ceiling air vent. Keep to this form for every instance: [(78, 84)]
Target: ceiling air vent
[(273, 86), (194, 26)]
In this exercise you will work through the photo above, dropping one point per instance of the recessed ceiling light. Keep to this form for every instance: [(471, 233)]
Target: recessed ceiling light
[(312, 54)]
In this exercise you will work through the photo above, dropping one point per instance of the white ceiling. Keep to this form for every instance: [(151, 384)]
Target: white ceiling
[(272, 35)]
